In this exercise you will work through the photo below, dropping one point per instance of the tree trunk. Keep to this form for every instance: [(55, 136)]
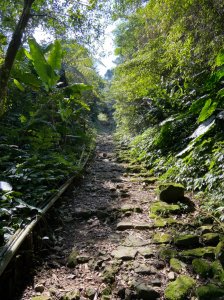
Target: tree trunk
[(11, 52)]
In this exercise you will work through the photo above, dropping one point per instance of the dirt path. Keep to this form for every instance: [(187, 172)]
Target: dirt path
[(105, 245)]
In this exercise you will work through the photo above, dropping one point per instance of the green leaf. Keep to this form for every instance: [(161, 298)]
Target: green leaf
[(19, 85), (220, 58), (198, 104), (55, 56), (208, 109), (43, 69)]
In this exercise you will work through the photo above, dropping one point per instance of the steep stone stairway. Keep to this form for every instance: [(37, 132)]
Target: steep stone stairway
[(112, 239)]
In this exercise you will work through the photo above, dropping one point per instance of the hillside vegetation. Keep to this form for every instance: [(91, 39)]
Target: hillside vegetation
[(169, 89)]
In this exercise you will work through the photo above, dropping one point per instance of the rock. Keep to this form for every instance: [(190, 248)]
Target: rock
[(124, 253), (145, 270), (210, 239), (162, 222), (72, 259), (186, 240), (156, 282), (73, 295), (219, 251), (130, 208), (176, 265), (109, 273), (90, 293), (202, 267), (209, 291), (217, 271), (142, 226), (82, 259), (162, 208), (167, 253), (146, 292), (171, 276), (171, 192), (180, 288), (135, 241), (145, 251), (161, 238), (205, 252), (39, 288), (205, 229), (125, 225)]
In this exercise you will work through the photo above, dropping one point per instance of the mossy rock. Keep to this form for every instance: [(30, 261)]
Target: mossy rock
[(180, 288), (171, 192), (167, 253), (163, 222), (218, 272), (209, 291), (210, 239), (202, 267), (73, 295), (219, 251), (162, 238), (205, 229), (162, 208), (72, 259), (205, 252), (186, 240), (109, 273), (176, 265)]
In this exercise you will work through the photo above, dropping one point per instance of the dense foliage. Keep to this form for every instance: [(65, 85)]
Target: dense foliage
[(169, 82)]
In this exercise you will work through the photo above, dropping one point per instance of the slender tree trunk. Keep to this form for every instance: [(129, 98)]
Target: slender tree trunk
[(11, 52)]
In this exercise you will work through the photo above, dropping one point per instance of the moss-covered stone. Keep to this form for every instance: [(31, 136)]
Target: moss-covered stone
[(218, 272), (205, 252), (209, 291), (186, 240), (202, 267), (162, 208), (205, 229), (219, 251), (73, 295), (109, 273), (161, 238), (180, 288), (162, 222), (72, 259), (176, 265), (167, 253), (171, 192), (210, 239)]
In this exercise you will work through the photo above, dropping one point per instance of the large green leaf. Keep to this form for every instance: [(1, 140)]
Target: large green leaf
[(43, 69), (55, 56), (208, 109), (27, 78)]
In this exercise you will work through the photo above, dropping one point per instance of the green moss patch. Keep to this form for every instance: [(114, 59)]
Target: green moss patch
[(167, 253), (180, 288), (210, 239), (205, 252), (161, 238), (186, 240), (162, 208), (202, 267), (162, 222), (176, 265), (209, 291)]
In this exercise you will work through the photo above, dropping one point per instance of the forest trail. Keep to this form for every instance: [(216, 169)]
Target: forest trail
[(105, 244)]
